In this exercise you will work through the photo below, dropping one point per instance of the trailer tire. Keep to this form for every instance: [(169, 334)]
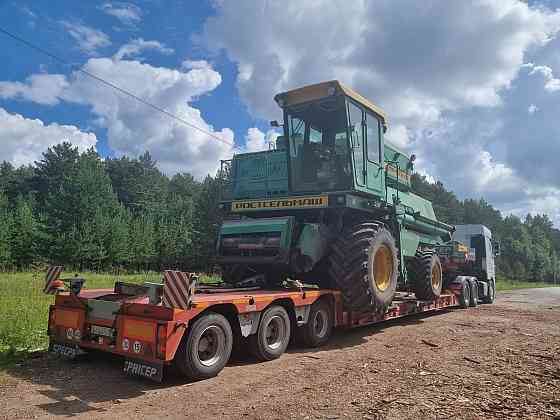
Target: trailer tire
[(364, 265), (491, 296), (474, 292), (206, 348), (273, 334), (465, 296), (426, 275), (319, 326)]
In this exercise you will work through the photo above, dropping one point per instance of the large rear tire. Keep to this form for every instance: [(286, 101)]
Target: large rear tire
[(364, 266), (491, 296), (426, 275)]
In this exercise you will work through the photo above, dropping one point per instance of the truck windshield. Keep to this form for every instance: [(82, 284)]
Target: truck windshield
[(318, 147)]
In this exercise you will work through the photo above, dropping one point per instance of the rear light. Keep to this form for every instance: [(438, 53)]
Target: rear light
[(161, 341)]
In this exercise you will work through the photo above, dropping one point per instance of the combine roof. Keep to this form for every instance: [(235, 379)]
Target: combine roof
[(322, 90)]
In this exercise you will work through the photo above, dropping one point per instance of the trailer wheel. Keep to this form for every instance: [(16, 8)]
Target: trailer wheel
[(474, 292), (465, 296), (319, 326), (426, 275), (206, 348), (272, 336), (491, 296)]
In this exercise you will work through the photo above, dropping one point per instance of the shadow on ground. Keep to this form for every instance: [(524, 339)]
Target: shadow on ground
[(77, 386)]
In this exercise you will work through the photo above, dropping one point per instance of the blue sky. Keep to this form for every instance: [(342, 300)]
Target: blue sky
[(471, 87), (173, 22)]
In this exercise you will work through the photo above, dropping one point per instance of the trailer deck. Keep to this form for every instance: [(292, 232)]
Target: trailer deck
[(152, 335)]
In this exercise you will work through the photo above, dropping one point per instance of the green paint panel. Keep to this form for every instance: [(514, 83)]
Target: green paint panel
[(284, 225)]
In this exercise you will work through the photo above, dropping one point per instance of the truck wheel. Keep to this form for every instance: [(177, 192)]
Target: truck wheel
[(272, 336), (319, 326), (364, 266), (474, 292), (465, 296), (491, 296), (205, 350), (426, 275)]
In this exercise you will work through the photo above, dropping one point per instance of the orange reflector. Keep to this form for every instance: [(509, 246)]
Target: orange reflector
[(68, 319), (162, 341), (140, 330)]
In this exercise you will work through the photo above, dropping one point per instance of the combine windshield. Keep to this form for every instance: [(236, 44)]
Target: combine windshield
[(318, 146)]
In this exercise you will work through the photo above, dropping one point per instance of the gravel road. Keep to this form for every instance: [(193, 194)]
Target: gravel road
[(494, 361)]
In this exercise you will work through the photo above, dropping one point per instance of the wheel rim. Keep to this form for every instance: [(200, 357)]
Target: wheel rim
[(383, 267), (275, 332), (210, 345), (436, 276), (320, 323)]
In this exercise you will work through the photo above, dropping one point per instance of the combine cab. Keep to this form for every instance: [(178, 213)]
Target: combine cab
[(332, 205)]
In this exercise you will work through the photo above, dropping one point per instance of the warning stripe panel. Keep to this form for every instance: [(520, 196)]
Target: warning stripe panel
[(52, 274), (178, 289)]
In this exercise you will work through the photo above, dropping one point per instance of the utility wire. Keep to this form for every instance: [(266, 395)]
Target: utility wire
[(113, 86)]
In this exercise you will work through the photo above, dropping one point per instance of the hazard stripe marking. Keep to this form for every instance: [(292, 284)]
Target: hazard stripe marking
[(178, 289), (52, 274)]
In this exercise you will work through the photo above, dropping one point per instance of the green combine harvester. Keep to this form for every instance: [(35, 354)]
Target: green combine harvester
[(331, 205)]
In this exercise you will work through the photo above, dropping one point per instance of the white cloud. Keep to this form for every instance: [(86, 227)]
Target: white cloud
[(136, 46), (24, 140), (430, 66), (128, 13), (551, 83), (195, 64), (43, 89), (256, 140), (89, 40), (532, 109)]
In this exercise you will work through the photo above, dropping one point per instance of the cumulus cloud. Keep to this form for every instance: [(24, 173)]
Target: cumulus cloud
[(133, 127), (88, 39), (23, 140), (129, 14), (256, 140), (43, 89), (136, 46), (551, 83), (445, 72)]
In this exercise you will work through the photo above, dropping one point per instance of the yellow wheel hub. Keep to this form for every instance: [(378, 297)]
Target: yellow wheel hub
[(436, 276), (383, 267)]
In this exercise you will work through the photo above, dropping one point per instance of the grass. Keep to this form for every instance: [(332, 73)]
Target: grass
[(506, 284)]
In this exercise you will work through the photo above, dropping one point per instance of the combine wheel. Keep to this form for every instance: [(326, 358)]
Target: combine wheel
[(206, 348), (273, 335), (426, 275), (364, 265), (474, 292), (491, 296), (319, 326)]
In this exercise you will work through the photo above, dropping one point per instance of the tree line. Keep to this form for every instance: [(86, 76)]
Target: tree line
[(84, 212), (530, 247), (78, 210)]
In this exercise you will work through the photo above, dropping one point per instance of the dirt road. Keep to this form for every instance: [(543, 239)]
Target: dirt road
[(498, 360)]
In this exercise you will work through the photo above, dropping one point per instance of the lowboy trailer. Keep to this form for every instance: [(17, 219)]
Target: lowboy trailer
[(194, 330)]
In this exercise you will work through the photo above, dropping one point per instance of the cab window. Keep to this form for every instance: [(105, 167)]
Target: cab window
[(373, 138)]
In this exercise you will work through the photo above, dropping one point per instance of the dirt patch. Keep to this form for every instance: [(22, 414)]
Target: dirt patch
[(494, 361)]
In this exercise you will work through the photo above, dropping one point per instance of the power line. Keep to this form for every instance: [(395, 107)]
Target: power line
[(113, 86)]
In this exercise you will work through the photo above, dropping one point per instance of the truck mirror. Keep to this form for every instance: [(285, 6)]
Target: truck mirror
[(496, 248)]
